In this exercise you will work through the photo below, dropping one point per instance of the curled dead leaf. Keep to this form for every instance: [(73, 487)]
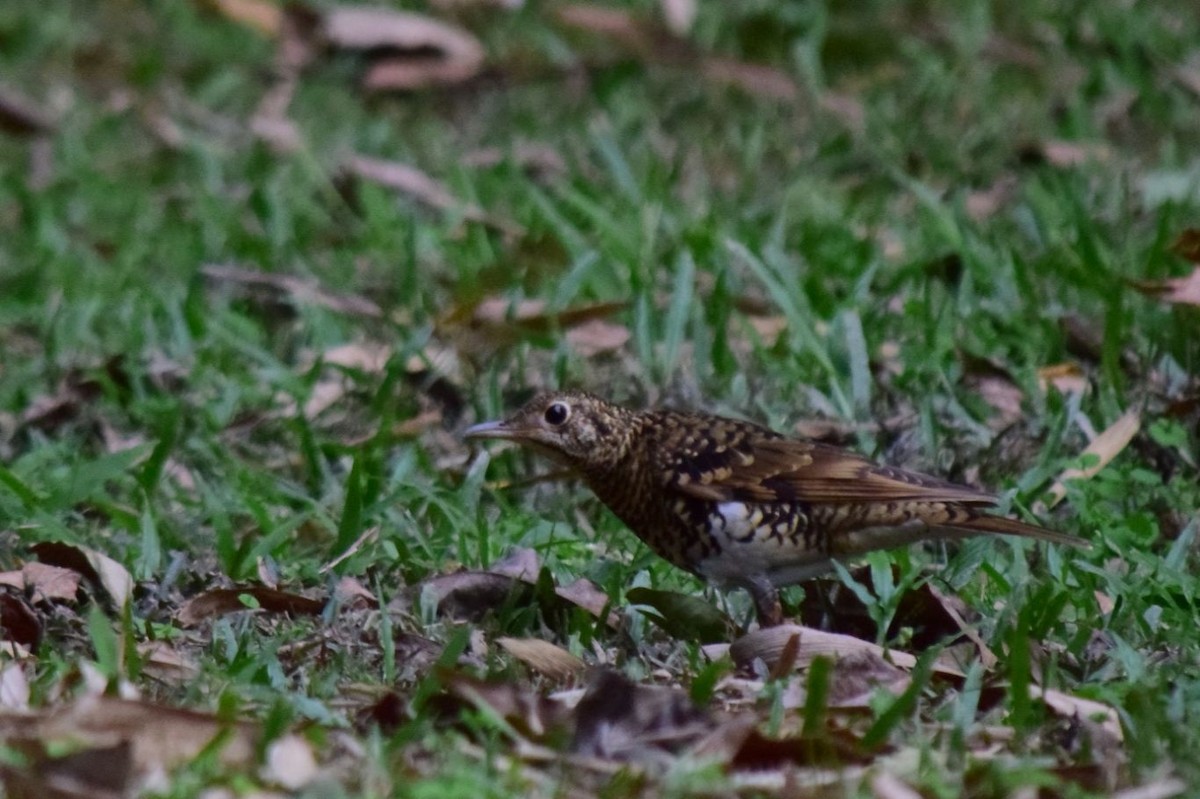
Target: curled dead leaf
[(101, 570), (220, 601), (769, 643)]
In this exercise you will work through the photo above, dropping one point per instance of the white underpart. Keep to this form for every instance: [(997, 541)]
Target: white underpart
[(742, 562), (745, 562)]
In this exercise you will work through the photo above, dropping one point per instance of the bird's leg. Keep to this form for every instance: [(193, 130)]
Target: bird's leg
[(766, 601)]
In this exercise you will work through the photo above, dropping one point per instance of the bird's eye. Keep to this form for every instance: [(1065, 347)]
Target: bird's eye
[(557, 413)]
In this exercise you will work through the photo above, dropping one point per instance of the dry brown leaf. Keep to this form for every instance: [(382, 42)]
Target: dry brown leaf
[(617, 719), (757, 79), (18, 623), (422, 51), (97, 567), (1099, 720), (1177, 290), (678, 15), (48, 583), (847, 108), (471, 594), (885, 785), (1187, 246), (613, 23), (529, 315), (522, 563), (530, 713), (597, 336), (768, 328), (14, 686), (540, 161), (158, 738), (277, 287), (20, 116), (1070, 153), (291, 763), (995, 386), (265, 17), (984, 204), (416, 184), (220, 601), (1107, 446), (768, 643), (1065, 378), (544, 657), (857, 676), (163, 662)]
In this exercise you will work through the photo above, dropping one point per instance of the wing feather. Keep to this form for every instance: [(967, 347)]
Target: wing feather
[(739, 461)]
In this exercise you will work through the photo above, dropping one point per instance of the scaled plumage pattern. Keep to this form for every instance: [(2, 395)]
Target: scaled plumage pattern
[(739, 504)]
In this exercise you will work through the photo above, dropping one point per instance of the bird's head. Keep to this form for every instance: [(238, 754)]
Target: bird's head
[(571, 427)]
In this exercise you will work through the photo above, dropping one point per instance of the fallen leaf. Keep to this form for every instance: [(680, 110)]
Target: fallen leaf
[(617, 719), (1100, 721), (1105, 447), (612, 23), (1187, 246), (49, 583), (544, 657), (1065, 378), (97, 567), (1177, 290), (471, 594), (995, 386), (768, 643), (540, 161), (275, 287), (411, 181), (885, 785), (14, 686), (757, 79), (984, 204), (1070, 154), (20, 116), (597, 336), (220, 601), (521, 563), (858, 675), (166, 664), (678, 15), (265, 17), (291, 763), (420, 51), (531, 714)]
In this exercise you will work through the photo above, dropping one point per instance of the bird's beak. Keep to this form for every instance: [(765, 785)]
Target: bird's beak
[(489, 430)]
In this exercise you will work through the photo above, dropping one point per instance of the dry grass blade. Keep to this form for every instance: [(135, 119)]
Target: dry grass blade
[(1107, 446), (265, 17)]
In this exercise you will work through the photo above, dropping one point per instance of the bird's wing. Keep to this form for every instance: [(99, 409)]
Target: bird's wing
[(727, 460)]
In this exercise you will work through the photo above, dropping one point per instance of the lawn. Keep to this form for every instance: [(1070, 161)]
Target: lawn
[(259, 270)]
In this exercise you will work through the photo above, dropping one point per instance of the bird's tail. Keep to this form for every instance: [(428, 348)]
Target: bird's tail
[(998, 524)]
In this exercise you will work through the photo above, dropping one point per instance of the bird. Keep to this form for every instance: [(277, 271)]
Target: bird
[(740, 505)]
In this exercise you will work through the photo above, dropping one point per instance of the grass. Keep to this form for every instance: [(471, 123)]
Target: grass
[(845, 214)]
